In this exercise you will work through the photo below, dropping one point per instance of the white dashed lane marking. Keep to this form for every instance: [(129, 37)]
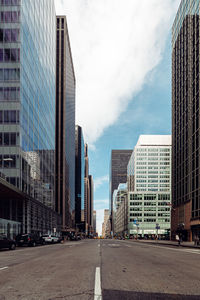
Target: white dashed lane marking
[(97, 285), (3, 268)]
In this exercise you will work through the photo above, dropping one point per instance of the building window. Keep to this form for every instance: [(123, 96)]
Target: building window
[(6, 139), (9, 117), (9, 35), (9, 93), (10, 55), (10, 2), (9, 74), (10, 17)]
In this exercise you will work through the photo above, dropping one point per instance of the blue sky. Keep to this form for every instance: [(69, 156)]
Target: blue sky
[(122, 59), (148, 113)]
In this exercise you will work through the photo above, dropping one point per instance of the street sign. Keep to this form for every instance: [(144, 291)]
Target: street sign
[(157, 226)]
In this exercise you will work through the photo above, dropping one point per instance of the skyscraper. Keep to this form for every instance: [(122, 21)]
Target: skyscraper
[(86, 191), (79, 179), (65, 126), (185, 121), (27, 101), (118, 172), (94, 222), (105, 224), (91, 199)]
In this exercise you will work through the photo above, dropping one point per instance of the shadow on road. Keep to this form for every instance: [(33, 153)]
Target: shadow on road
[(131, 295)]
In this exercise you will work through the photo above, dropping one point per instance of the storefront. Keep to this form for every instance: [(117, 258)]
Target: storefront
[(10, 228)]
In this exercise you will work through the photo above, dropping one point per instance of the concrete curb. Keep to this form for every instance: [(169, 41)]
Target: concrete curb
[(168, 244)]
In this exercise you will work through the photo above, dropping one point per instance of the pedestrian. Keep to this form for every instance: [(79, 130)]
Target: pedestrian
[(178, 239)]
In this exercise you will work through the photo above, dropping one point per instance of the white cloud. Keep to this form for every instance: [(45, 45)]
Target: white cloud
[(100, 181), (115, 44)]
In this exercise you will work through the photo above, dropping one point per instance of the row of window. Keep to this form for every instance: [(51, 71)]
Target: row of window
[(154, 220), (150, 209), (153, 149), (150, 197), (9, 93), (152, 162), (8, 161), (150, 203), (9, 117), (10, 16), (9, 55), (9, 74), (151, 220), (13, 180), (153, 154), (152, 176), (151, 180), (9, 139), (9, 35), (10, 2)]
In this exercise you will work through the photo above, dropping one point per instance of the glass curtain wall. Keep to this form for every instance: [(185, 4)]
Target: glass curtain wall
[(27, 96)]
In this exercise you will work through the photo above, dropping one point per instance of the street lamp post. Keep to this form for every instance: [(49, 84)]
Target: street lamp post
[(157, 227)]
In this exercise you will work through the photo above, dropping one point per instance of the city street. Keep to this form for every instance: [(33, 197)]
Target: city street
[(127, 269)]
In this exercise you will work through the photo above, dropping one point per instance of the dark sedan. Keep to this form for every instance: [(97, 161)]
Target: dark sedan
[(7, 243), (29, 239)]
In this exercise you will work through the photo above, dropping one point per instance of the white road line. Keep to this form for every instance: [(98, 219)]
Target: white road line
[(97, 285), (3, 268)]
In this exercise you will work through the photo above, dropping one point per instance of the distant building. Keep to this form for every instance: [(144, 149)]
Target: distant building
[(120, 210), (65, 126), (185, 121), (149, 203), (91, 200), (94, 222), (118, 173), (88, 196), (105, 224), (86, 192), (79, 180)]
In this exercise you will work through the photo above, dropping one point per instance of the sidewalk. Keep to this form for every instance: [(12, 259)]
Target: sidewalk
[(170, 243)]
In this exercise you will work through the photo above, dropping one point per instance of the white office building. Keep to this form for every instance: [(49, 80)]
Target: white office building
[(149, 186)]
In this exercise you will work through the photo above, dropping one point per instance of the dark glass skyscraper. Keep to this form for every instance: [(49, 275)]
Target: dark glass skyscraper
[(118, 172), (91, 189), (185, 121), (65, 125), (79, 181)]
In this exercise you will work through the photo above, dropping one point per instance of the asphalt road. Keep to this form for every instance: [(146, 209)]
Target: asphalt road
[(88, 268)]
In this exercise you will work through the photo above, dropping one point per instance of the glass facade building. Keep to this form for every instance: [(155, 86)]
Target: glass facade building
[(185, 121), (27, 96), (118, 173), (79, 179), (65, 125)]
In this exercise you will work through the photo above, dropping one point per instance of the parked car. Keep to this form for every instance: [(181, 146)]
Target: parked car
[(49, 238), (7, 243), (30, 239)]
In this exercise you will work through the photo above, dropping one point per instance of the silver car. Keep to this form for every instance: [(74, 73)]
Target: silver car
[(49, 238)]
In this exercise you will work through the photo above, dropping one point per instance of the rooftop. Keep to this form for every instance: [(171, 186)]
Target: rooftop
[(154, 140)]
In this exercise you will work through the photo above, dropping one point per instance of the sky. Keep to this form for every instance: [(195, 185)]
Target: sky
[(121, 52)]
